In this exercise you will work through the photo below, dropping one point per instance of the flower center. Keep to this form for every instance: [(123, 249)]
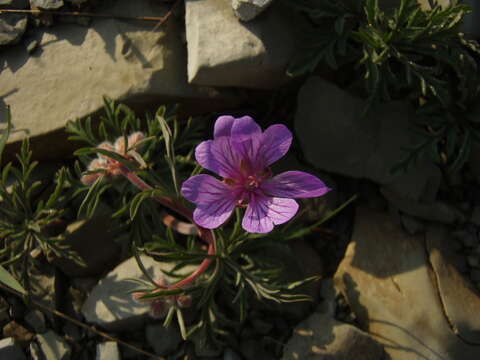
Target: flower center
[(253, 182)]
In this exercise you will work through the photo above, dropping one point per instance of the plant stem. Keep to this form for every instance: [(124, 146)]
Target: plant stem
[(205, 234)]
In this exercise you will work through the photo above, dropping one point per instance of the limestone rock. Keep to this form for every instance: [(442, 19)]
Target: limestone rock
[(53, 346), (322, 337), (10, 351), (336, 138), (110, 305), (388, 282), (107, 351), (12, 27), (46, 4), (225, 52), (247, 10), (123, 60)]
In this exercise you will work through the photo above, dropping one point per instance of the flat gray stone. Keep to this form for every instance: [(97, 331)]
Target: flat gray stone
[(225, 52), (53, 346), (123, 60), (107, 351), (335, 137), (321, 337), (247, 10), (10, 351), (387, 279), (110, 304)]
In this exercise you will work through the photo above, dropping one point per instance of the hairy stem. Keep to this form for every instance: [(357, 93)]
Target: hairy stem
[(204, 234)]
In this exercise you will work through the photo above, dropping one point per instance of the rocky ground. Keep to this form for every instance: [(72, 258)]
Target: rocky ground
[(400, 267)]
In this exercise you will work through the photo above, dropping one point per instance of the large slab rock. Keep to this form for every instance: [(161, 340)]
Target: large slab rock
[(321, 337), (222, 51), (110, 304), (389, 283), (76, 66), (335, 137)]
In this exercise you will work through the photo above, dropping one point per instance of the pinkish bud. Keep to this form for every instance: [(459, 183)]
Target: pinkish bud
[(134, 139), (184, 301), (119, 145), (97, 164), (106, 145), (89, 179)]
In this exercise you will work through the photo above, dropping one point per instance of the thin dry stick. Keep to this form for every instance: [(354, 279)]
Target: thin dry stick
[(85, 326), (160, 19)]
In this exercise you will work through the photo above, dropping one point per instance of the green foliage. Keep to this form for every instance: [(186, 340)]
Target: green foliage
[(27, 213), (402, 53), (407, 50)]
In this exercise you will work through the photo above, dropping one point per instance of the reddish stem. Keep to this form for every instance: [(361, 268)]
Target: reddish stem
[(205, 234)]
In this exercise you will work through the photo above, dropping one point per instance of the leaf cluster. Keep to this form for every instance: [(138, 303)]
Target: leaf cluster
[(28, 211), (404, 52)]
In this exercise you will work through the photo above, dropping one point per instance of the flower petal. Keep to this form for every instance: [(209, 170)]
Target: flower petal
[(211, 216), (264, 212), (295, 184), (223, 126), (244, 128), (276, 141), (246, 136), (218, 156), (201, 189), (215, 200)]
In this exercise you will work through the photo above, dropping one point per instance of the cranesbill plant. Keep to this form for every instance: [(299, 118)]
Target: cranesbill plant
[(232, 268)]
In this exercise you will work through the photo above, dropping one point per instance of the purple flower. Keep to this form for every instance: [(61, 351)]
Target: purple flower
[(241, 153)]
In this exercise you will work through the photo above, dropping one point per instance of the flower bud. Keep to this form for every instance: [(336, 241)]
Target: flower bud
[(134, 139), (184, 301)]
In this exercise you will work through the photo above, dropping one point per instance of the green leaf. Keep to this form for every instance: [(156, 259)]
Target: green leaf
[(7, 279), (170, 150), (6, 132)]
